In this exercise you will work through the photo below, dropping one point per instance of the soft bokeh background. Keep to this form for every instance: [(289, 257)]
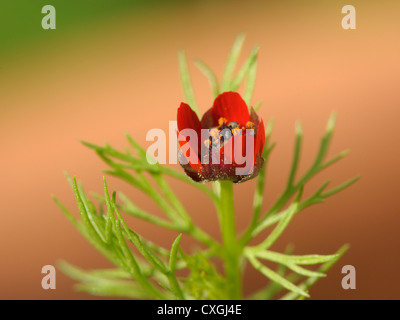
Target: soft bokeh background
[(111, 67)]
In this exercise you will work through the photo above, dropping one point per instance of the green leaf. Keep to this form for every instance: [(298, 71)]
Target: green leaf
[(276, 277), (92, 232), (250, 85), (283, 223), (174, 253), (340, 187), (212, 79), (232, 61), (186, 81), (172, 268), (296, 156), (68, 214), (323, 269), (97, 222), (335, 159), (326, 139), (139, 150), (86, 229), (257, 106), (305, 272), (133, 266), (136, 240), (134, 211), (274, 288), (130, 261), (93, 282), (295, 259), (174, 200), (292, 266), (245, 69)]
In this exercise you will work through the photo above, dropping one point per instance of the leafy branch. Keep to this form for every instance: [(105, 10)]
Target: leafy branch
[(144, 269)]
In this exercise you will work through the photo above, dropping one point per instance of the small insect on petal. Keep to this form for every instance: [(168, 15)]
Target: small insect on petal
[(226, 134), (233, 125)]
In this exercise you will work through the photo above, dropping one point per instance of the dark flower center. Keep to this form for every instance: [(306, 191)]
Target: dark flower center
[(224, 131)]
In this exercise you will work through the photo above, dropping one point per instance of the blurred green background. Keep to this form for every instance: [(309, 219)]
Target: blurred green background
[(20, 20)]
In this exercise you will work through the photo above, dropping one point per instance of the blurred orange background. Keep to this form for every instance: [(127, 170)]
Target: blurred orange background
[(119, 73)]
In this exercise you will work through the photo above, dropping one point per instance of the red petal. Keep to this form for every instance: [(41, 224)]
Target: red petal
[(208, 121), (260, 140), (232, 107), (196, 165), (254, 117), (187, 119)]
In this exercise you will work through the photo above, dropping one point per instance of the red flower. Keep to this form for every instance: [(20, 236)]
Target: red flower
[(227, 143)]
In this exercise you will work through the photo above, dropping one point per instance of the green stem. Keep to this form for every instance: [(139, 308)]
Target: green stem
[(231, 249)]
